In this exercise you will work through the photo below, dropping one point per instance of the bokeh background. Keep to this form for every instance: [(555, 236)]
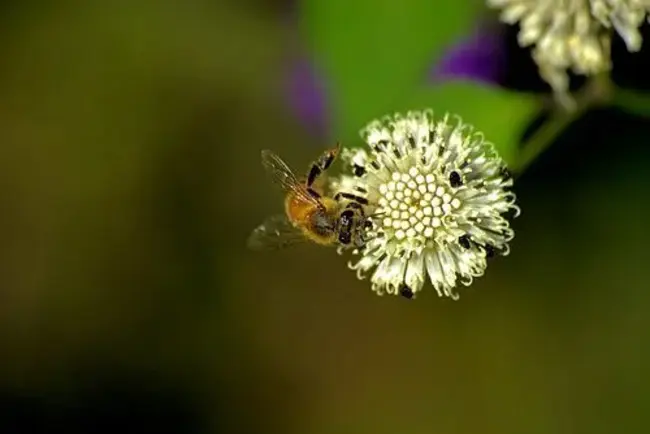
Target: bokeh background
[(130, 134)]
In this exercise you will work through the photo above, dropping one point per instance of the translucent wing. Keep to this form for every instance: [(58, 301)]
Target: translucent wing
[(285, 178), (275, 233)]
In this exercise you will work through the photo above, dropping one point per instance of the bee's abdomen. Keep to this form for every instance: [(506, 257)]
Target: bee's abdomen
[(315, 222), (298, 211)]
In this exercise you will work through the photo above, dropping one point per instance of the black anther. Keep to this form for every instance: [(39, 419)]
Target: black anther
[(406, 292), (455, 180)]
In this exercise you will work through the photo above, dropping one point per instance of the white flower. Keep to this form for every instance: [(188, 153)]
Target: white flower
[(436, 193), (573, 35)]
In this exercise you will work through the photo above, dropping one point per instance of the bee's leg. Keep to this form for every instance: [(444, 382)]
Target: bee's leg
[(322, 164), (367, 223), (345, 224), (357, 237), (358, 199), (313, 192)]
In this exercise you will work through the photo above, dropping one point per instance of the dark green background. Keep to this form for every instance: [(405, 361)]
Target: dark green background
[(130, 178)]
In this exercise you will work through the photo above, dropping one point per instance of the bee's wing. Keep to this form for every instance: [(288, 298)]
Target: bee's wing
[(285, 178), (276, 232)]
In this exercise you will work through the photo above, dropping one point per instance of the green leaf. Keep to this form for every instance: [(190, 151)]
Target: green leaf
[(375, 50), (500, 115)]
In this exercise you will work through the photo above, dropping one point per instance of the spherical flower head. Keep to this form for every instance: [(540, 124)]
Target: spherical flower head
[(437, 194), (573, 35)]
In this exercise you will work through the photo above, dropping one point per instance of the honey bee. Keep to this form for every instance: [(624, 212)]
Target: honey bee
[(310, 215)]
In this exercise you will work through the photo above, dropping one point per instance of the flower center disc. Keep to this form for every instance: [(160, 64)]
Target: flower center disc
[(415, 205)]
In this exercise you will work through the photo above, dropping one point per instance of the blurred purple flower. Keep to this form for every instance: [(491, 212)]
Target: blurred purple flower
[(306, 97), (304, 86), (480, 57), (490, 55)]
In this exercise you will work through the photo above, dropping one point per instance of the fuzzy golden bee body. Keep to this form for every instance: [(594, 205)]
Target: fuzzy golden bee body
[(310, 214)]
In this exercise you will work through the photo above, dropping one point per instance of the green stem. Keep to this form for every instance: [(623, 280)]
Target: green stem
[(632, 101), (597, 92)]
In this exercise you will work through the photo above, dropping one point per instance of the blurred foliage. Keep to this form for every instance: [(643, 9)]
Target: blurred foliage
[(129, 179), (476, 105), (634, 102), (379, 65)]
